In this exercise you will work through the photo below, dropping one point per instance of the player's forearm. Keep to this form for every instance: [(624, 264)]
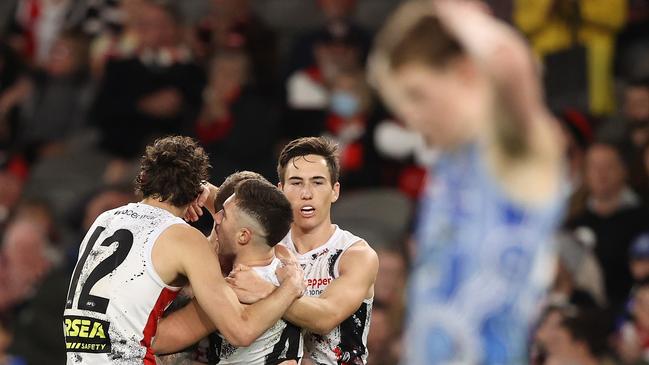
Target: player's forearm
[(181, 329), (314, 314), (259, 317)]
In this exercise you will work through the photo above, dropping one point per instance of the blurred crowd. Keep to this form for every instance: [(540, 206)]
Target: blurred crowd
[(86, 84)]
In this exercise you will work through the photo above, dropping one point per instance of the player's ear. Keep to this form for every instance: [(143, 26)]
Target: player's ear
[(280, 186), (243, 236), (336, 192)]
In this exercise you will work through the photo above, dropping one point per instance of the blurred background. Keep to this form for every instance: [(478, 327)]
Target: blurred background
[(86, 84)]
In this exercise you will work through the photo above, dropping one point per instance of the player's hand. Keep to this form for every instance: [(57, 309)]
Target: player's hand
[(285, 255), (248, 285), (195, 209), (291, 274)]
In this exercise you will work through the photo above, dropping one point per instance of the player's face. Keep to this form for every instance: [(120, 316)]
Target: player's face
[(307, 185), (226, 227), (432, 102)]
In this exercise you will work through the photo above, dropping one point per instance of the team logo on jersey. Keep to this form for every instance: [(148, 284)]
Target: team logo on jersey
[(318, 254), (316, 286), (85, 334)]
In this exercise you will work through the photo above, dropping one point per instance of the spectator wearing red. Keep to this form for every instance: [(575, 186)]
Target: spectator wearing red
[(236, 125)]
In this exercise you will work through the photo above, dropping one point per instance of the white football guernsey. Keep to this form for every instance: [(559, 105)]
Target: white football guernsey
[(347, 343), (281, 342), (115, 296)]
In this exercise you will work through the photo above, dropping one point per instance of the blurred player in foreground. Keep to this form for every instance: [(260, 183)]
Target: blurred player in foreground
[(468, 84)]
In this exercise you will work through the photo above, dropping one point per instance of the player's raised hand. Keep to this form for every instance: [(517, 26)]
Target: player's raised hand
[(285, 255), (501, 52), (291, 274), (248, 285), (195, 210)]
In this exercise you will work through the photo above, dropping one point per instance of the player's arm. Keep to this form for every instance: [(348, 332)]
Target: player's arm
[(216, 305), (358, 267), (501, 53), (524, 143)]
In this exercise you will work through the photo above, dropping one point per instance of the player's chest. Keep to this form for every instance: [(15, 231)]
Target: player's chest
[(320, 269)]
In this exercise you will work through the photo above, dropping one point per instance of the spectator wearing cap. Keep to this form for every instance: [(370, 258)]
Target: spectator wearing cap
[(309, 89), (338, 24), (613, 217)]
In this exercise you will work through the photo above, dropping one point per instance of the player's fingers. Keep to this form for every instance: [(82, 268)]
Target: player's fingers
[(191, 216), (288, 262), (196, 212), (283, 253), (198, 209), (202, 197)]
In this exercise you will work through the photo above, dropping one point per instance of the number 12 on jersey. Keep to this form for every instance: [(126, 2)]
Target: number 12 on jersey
[(87, 301)]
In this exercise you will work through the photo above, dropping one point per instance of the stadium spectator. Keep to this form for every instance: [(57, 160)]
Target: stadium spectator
[(156, 92), (613, 216), (234, 111)]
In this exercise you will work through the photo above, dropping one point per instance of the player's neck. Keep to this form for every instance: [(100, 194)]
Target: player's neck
[(254, 258), (307, 240), (177, 211)]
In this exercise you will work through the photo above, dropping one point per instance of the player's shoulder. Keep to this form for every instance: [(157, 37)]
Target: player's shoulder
[(182, 232), (361, 249), (354, 242), (358, 252), (359, 256), (107, 214)]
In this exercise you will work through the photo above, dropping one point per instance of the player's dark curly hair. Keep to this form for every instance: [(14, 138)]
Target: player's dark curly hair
[(319, 146), (172, 169), (267, 205)]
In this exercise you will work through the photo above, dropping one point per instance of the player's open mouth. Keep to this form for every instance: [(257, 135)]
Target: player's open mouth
[(307, 211)]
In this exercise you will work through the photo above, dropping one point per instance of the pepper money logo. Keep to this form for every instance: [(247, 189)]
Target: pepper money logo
[(84, 334)]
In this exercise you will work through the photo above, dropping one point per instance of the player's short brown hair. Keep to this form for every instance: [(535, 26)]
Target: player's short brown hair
[(172, 169), (310, 146), (263, 202), (230, 183), (413, 34)]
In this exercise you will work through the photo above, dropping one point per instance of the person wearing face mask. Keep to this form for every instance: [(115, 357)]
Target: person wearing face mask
[(309, 89), (350, 121)]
